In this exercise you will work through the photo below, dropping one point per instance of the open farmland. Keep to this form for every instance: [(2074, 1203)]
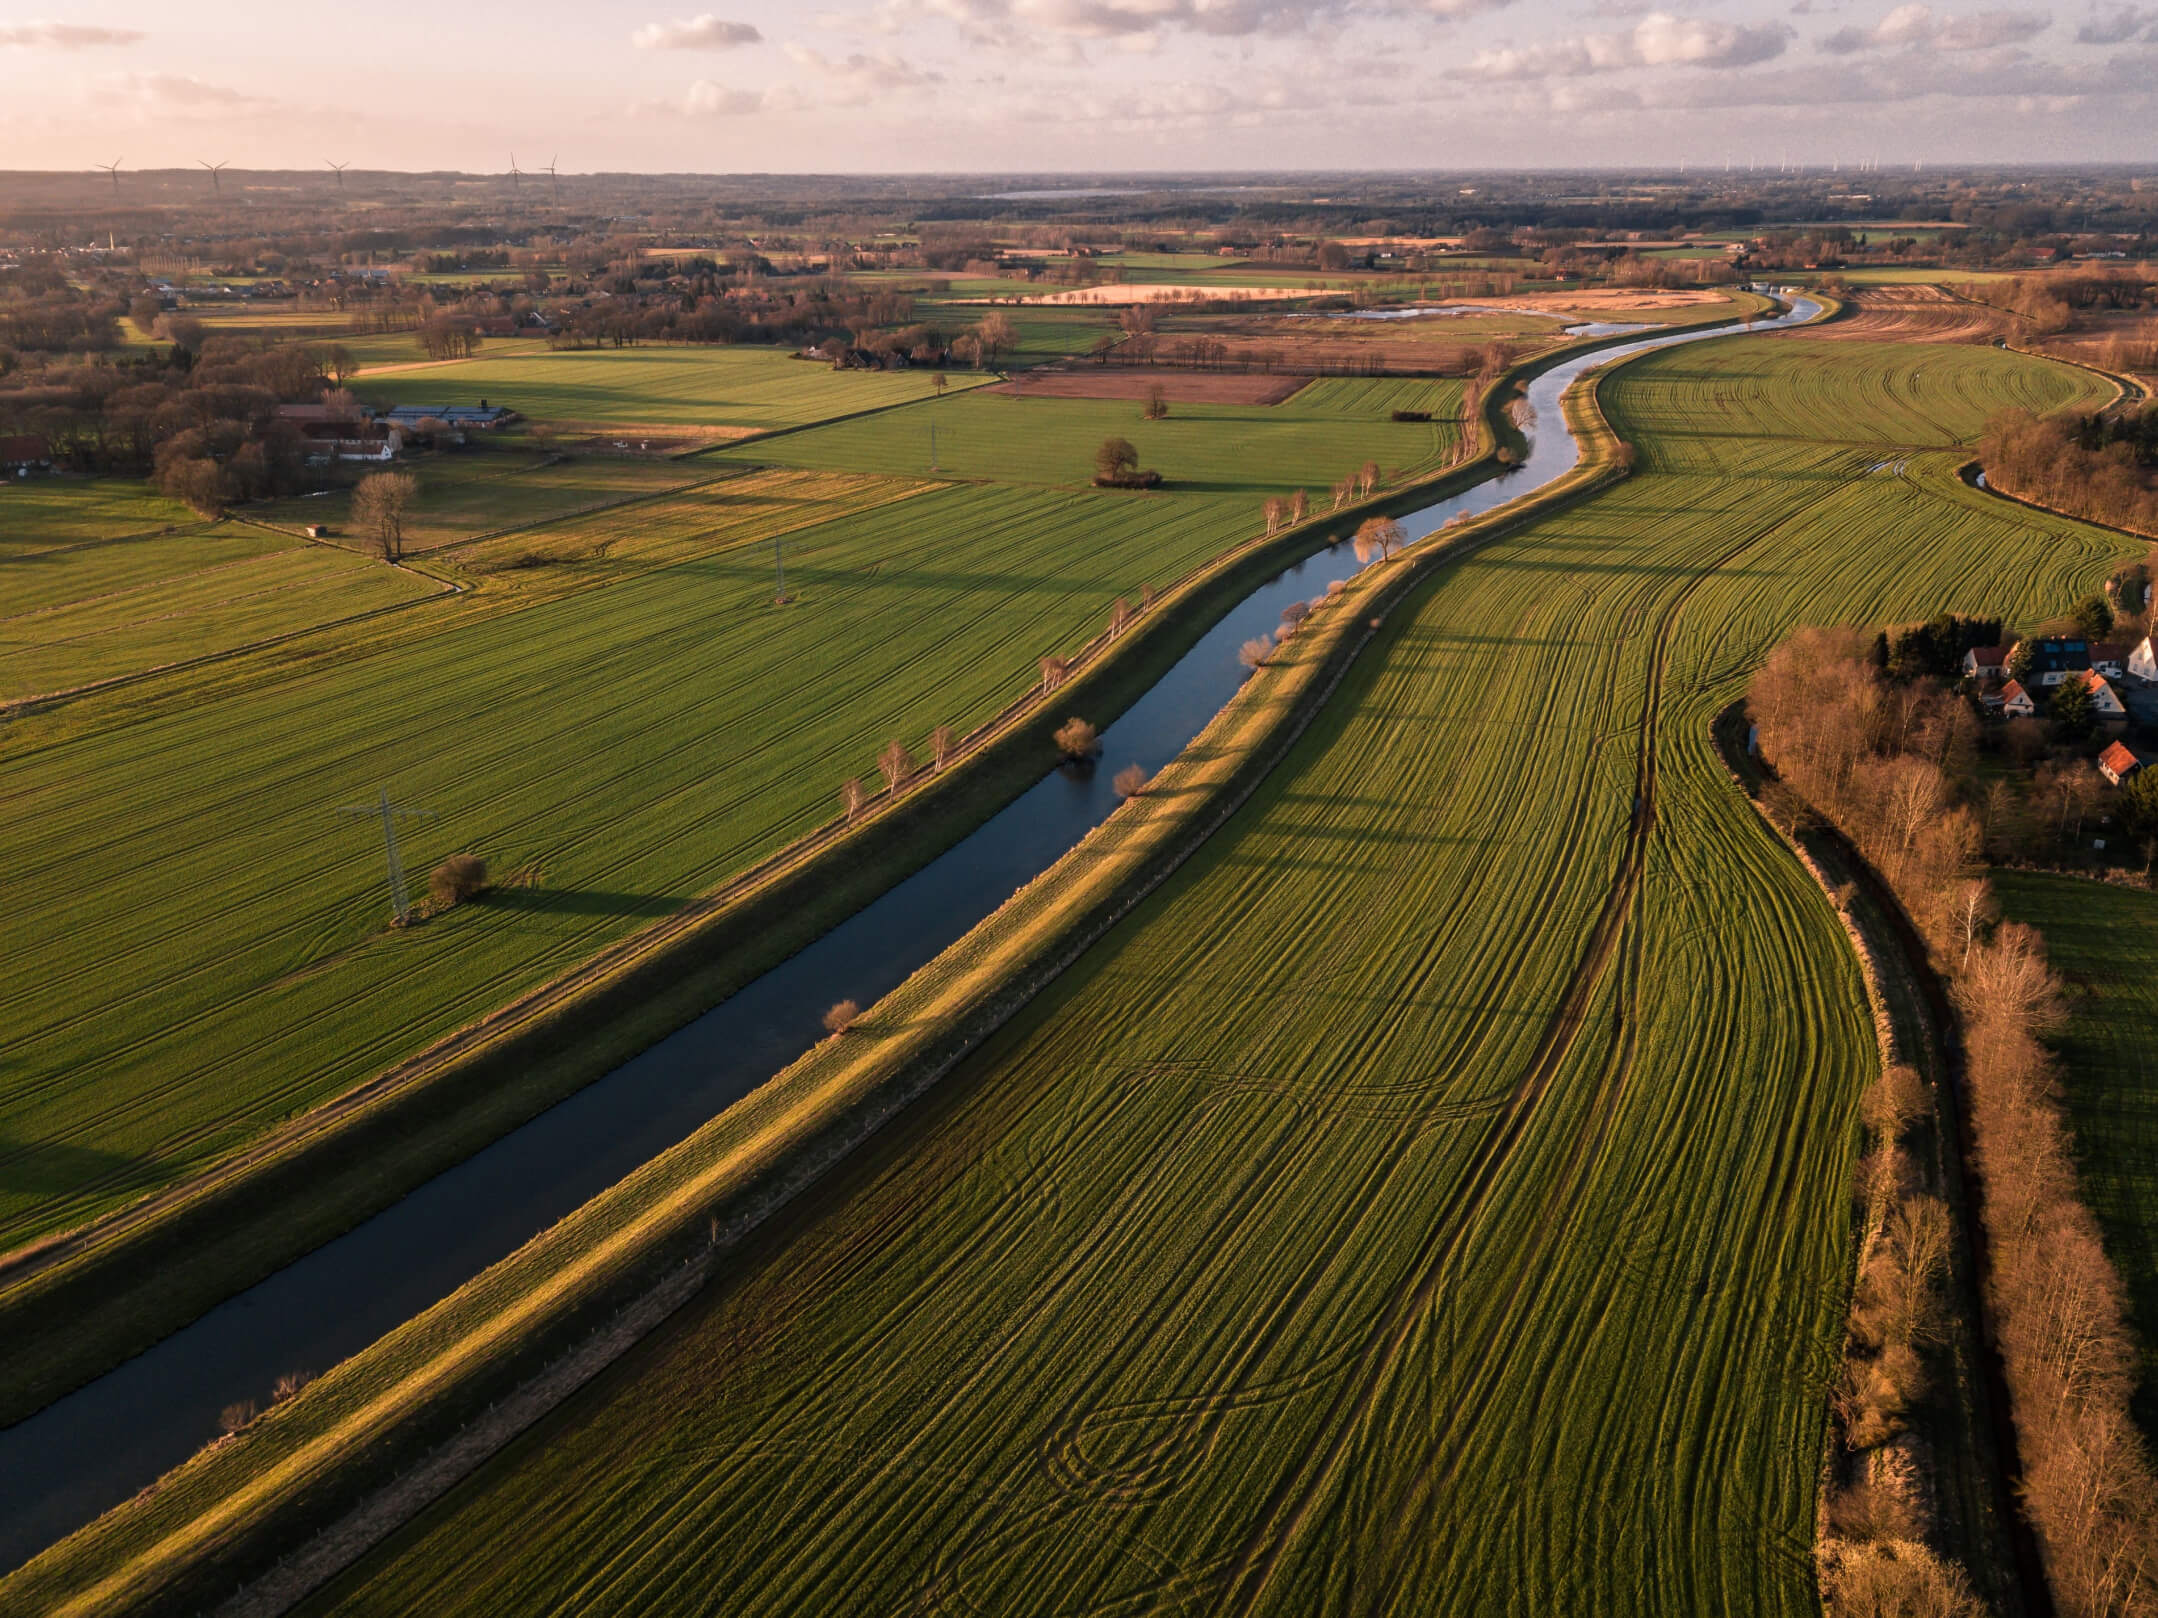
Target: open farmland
[(756, 389), (466, 495), (1310, 441), (2104, 941), (616, 719), (1434, 1198), (260, 593), (44, 513)]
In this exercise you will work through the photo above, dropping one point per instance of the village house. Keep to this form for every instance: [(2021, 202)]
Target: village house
[(2117, 763), (2109, 658), (2143, 661), (2016, 702), (2055, 658), (460, 417), (1988, 665), (2106, 705)]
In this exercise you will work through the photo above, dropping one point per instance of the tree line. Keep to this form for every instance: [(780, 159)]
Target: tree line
[(1888, 763), (2093, 466)]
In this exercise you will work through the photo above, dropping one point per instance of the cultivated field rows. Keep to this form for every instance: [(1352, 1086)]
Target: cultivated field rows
[(1435, 1198)]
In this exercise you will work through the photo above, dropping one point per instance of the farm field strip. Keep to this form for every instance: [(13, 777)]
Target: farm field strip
[(211, 610), (2104, 941), (1215, 449), (611, 752), (89, 569), (1433, 1198), (42, 514), (759, 388)]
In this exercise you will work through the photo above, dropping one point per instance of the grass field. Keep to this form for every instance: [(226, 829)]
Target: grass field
[(655, 386), (462, 496), (1256, 450), (2104, 940), (239, 590), (38, 514), (208, 958), (1433, 1199)]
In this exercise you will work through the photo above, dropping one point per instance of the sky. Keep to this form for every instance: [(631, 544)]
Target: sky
[(1057, 86)]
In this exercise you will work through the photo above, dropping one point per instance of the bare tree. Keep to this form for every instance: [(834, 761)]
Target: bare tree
[(1130, 781), (851, 796), (1972, 908), (1076, 739), (1054, 670), (1157, 403), (895, 764), (1367, 477), (943, 742), (379, 508), (1380, 537), (1293, 616), (1299, 506), (1277, 511), (1254, 652), (841, 1017), (1119, 617)]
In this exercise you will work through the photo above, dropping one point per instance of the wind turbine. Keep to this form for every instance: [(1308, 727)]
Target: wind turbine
[(516, 174), (217, 183), (112, 169), (337, 169), (554, 185)]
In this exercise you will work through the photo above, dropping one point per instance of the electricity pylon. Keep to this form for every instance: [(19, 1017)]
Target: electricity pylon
[(389, 813)]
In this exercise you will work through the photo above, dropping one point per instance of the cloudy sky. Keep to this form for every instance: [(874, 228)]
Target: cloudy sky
[(1062, 85)]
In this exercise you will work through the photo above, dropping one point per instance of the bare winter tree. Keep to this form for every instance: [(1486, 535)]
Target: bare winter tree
[(1254, 652), (943, 743), (1130, 781), (841, 1017), (1076, 739), (1380, 537), (1119, 617), (1367, 477), (895, 764), (1277, 509), (1054, 669), (1299, 506), (379, 508), (851, 796)]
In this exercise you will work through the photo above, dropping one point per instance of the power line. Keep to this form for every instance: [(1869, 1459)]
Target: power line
[(389, 814)]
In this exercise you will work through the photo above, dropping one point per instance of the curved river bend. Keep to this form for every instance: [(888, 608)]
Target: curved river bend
[(92, 1449)]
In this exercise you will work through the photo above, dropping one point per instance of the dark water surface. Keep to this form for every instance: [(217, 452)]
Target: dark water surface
[(92, 1449)]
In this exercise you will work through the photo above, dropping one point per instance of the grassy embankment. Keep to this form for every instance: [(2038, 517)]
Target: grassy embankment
[(1289, 988), (2104, 941), (641, 743)]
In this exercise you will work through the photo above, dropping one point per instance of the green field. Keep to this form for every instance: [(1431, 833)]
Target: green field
[(1434, 1198), (462, 496), (654, 386), (39, 514), (1308, 443), (2104, 941), (616, 718), (185, 596)]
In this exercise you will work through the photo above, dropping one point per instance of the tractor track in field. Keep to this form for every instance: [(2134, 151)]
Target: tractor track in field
[(1291, 1505)]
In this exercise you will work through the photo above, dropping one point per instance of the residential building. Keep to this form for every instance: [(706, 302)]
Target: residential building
[(23, 454), (2117, 763), (2109, 657), (1988, 665), (2055, 658), (2143, 661), (2016, 702)]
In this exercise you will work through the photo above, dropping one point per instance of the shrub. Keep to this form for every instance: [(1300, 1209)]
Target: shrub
[(1254, 652), (1130, 781), (235, 1416), (289, 1385), (1075, 738), (841, 1017), (456, 879)]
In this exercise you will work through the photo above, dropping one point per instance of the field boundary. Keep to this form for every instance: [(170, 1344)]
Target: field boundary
[(229, 1514), (1889, 950)]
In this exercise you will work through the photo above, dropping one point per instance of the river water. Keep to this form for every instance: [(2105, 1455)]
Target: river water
[(92, 1449)]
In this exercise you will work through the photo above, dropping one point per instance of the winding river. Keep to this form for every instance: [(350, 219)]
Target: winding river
[(92, 1449)]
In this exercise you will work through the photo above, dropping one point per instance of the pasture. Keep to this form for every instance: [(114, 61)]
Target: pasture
[(653, 386), (1212, 449), (2104, 941), (1434, 1198)]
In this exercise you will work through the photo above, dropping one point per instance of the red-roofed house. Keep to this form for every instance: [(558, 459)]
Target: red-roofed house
[(2106, 705), (25, 453), (1988, 665), (2117, 763), (2109, 657), (2016, 702)]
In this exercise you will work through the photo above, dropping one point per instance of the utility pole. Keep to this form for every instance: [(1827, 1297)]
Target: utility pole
[(388, 813)]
